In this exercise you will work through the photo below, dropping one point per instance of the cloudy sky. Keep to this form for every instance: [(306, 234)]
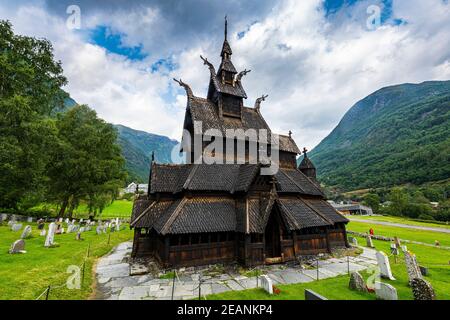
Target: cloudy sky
[(314, 58)]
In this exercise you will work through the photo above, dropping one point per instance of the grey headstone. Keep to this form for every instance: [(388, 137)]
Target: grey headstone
[(30, 219), (385, 267), (357, 282), (385, 291), (311, 295), (353, 241), (369, 241), (26, 232), (423, 270), (16, 227), (422, 290), (17, 247), (49, 240)]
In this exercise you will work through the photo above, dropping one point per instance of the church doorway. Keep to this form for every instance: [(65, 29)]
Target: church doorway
[(272, 237)]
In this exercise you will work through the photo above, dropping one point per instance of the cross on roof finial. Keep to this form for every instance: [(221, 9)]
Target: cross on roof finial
[(305, 150), (290, 134)]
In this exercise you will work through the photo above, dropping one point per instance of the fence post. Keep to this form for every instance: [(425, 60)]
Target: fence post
[(48, 292), (173, 282), (317, 262), (348, 264), (199, 289), (88, 249), (82, 272)]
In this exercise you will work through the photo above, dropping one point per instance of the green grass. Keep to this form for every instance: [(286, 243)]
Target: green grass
[(402, 221), (403, 233), (437, 260), (25, 276)]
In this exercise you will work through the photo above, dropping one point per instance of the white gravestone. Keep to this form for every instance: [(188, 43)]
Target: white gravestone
[(98, 230), (385, 267), (385, 291), (16, 227), (267, 284), (30, 219), (50, 235), (18, 247), (43, 233), (26, 232)]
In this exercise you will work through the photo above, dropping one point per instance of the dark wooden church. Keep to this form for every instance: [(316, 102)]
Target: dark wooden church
[(198, 213)]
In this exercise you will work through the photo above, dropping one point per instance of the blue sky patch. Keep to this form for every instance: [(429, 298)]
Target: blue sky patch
[(104, 37)]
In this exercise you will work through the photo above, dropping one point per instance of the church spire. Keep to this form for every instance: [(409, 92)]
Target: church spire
[(226, 49)]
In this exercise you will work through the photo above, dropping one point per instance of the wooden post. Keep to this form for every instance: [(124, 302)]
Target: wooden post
[(48, 293), (317, 268), (173, 282), (109, 238), (88, 250)]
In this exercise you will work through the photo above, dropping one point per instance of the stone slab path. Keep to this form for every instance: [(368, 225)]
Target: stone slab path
[(115, 283), (401, 225)]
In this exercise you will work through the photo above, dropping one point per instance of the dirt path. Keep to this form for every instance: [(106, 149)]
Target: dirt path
[(401, 225)]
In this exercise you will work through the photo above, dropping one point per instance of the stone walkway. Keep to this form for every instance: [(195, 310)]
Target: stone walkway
[(115, 283)]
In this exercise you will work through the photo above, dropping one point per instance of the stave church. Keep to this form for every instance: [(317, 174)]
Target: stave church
[(202, 213)]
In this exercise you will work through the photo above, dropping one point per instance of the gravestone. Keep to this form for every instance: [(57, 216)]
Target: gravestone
[(397, 242), (385, 267), (412, 267), (422, 290), (16, 227), (353, 241), (384, 291), (394, 249), (404, 248), (311, 295), (26, 232), (49, 240), (369, 241), (266, 283), (82, 229), (43, 233), (78, 236), (357, 282), (4, 217), (98, 230), (423, 270), (30, 219), (18, 247)]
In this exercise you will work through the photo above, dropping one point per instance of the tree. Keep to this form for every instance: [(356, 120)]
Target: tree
[(399, 201), (87, 162), (372, 200), (30, 81)]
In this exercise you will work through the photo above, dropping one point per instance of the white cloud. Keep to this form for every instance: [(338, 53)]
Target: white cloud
[(313, 68)]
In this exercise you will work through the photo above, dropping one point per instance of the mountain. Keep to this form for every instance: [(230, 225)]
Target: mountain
[(137, 147), (396, 135)]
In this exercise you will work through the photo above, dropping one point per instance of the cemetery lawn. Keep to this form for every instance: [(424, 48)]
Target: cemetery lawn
[(437, 260), (428, 237), (402, 220), (26, 276)]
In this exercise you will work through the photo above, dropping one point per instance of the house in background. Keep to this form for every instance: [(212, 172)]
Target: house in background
[(133, 187), (352, 209)]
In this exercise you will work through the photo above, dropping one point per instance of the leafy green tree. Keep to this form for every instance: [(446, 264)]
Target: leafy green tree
[(87, 162), (372, 200), (399, 201), (30, 81)]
